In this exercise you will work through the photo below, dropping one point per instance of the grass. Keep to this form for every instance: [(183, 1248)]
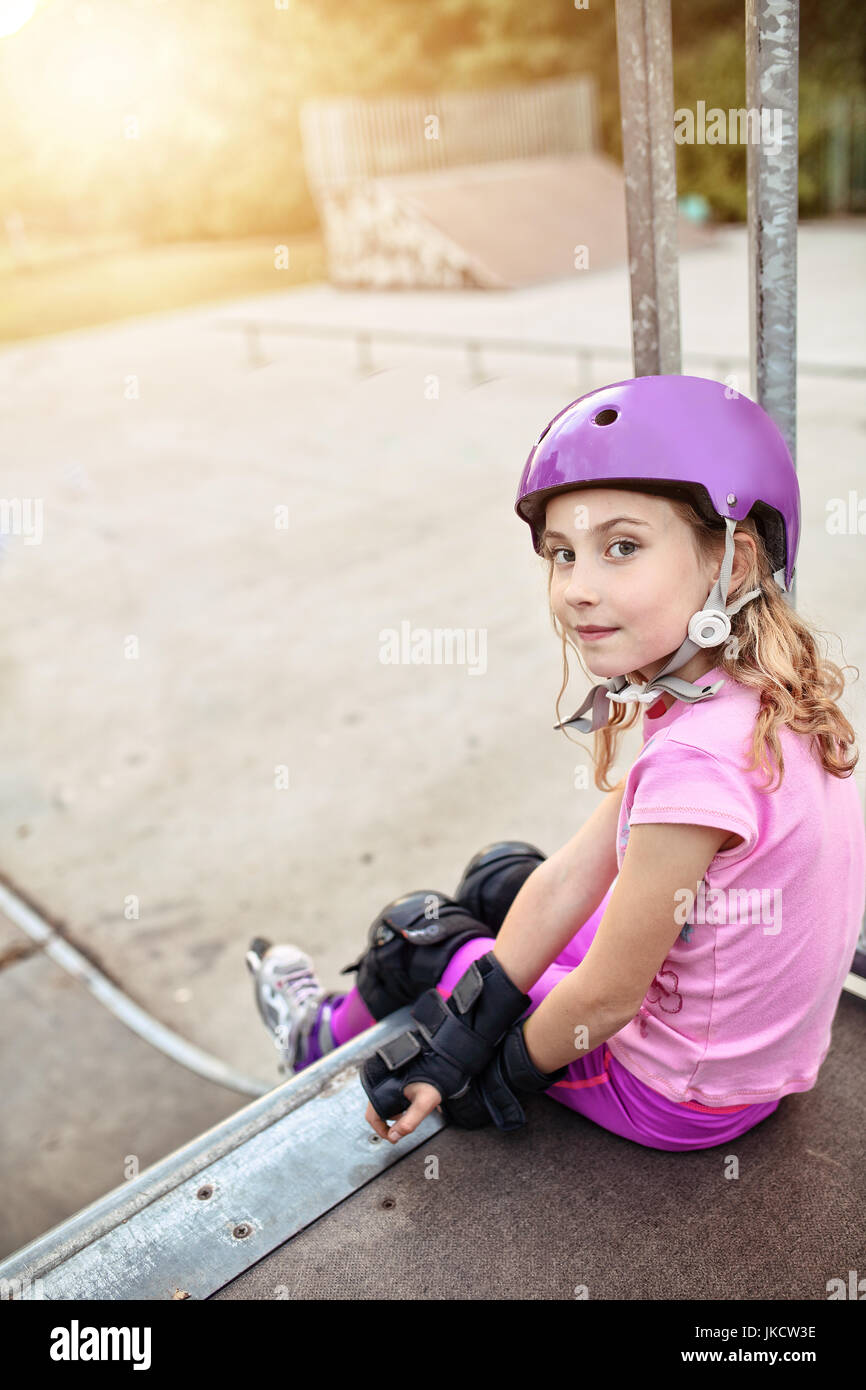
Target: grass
[(61, 289)]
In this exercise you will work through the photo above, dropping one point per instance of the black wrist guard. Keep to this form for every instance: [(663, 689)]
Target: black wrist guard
[(492, 1097), (456, 1038)]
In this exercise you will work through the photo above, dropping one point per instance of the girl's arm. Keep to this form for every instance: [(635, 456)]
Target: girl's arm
[(602, 994), (560, 895)]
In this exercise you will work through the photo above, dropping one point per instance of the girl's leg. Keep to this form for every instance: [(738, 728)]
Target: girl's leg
[(490, 883), (598, 1087), (351, 1016)]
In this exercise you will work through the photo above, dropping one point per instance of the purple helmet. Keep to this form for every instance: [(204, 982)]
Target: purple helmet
[(720, 449)]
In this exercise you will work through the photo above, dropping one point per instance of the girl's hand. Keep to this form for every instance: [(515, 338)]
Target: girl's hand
[(425, 1099)]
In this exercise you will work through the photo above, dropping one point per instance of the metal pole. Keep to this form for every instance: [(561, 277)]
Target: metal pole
[(772, 40), (646, 94), (772, 60)]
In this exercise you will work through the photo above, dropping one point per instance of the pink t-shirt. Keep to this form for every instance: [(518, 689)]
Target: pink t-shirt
[(741, 1009)]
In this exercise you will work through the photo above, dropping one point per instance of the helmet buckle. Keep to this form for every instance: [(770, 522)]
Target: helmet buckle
[(709, 627)]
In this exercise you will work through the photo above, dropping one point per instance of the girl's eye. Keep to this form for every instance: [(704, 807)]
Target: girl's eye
[(553, 551)]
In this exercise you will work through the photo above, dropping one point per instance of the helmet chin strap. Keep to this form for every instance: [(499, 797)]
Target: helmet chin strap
[(707, 628)]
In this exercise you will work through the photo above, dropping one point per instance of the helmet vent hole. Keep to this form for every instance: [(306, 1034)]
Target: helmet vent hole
[(606, 417)]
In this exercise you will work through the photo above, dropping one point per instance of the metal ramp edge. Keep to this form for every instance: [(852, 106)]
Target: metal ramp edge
[(205, 1213)]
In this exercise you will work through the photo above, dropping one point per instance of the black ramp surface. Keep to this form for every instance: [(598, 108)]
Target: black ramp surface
[(563, 1204)]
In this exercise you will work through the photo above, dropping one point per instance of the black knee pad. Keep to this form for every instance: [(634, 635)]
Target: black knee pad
[(494, 877), (409, 945)]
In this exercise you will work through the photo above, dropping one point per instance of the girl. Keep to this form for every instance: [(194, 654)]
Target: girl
[(685, 952)]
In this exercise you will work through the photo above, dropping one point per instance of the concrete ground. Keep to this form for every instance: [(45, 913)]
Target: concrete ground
[(169, 657)]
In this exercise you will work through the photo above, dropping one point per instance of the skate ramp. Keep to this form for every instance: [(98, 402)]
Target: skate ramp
[(563, 1204), (296, 1198), (501, 225)]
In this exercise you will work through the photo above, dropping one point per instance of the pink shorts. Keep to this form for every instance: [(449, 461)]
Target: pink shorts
[(598, 1086)]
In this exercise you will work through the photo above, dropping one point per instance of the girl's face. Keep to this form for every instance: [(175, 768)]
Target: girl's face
[(640, 577)]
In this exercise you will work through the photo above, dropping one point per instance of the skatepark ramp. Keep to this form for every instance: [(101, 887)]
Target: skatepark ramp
[(492, 226), (295, 1197), (483, 190)]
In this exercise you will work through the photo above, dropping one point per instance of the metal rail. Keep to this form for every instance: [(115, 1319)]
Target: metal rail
[(474, 344), (201, 1216), (118, 1002)]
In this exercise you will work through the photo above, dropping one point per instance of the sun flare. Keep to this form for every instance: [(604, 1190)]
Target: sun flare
[(14, 14)]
